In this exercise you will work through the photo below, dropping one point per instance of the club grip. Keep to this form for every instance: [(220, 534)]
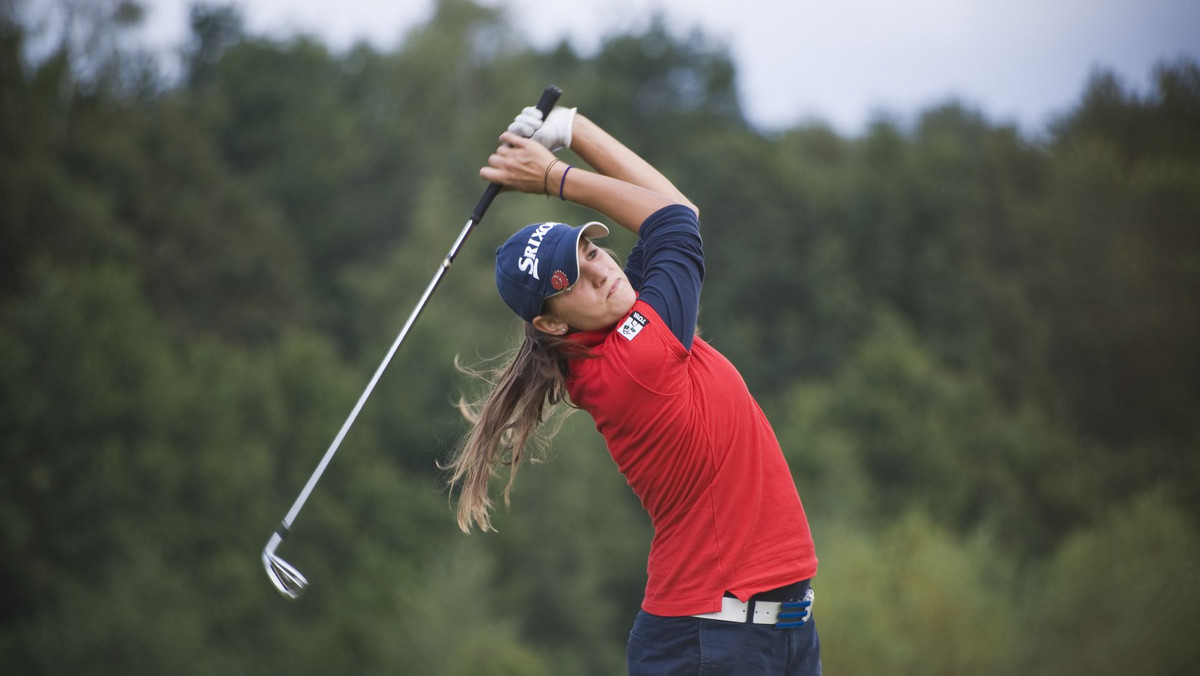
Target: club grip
[(549, 98)]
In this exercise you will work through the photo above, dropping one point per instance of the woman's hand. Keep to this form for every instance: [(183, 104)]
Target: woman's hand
[(519, 164), (627, 195)]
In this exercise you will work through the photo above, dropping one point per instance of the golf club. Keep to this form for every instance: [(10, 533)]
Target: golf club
[(289, 581)]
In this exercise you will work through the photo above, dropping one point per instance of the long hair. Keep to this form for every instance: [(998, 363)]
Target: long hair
[(505, 418)]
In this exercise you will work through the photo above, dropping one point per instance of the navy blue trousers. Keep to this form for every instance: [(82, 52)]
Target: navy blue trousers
[(690, 646)]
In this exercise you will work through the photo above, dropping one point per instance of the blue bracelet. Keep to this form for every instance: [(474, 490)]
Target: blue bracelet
[(564, 182)]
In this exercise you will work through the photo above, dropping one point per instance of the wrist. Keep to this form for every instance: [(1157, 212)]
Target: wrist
[(563, 183), (546, 176), (582, 132), (556, 179)]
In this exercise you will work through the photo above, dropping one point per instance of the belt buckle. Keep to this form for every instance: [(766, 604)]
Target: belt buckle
[(795, 614)]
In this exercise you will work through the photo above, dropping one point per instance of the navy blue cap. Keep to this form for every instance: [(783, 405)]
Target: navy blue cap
[(540, 261)]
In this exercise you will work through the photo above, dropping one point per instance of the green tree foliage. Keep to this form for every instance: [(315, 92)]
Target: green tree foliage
[(896, 431), (914, 599), (1136, 568), (978, 349), (1119, 244)]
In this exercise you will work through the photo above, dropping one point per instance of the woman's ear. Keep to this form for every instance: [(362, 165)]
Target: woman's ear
[(549, 324)]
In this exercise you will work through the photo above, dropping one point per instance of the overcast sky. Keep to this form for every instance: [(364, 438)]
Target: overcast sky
[(1020, 61)]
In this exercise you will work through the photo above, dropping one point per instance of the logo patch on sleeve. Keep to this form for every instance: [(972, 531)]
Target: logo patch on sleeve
[(633, 325)]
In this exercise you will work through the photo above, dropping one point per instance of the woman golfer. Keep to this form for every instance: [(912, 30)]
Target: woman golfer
[(729, 567)]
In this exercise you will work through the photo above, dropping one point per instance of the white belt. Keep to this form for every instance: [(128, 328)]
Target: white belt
[(794, 613)]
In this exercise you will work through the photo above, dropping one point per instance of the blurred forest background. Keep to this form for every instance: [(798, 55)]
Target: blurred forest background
[(978, 347)]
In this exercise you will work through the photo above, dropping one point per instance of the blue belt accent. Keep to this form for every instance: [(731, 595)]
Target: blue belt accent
[(793, 614)]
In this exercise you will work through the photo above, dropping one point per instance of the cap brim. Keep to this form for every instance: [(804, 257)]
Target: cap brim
[(593, 230)]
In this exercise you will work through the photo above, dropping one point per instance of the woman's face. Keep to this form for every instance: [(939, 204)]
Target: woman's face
[(600, 298)]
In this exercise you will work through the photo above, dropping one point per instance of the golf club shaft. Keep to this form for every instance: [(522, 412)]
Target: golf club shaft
[(546, 104)]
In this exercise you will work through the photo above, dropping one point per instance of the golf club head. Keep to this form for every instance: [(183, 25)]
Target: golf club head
[(283, 575)]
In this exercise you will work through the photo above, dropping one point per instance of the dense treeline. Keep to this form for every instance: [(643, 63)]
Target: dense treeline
[(979, 350)]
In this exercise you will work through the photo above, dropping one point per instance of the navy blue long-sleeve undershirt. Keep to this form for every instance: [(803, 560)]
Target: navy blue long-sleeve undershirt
[(666, 268)]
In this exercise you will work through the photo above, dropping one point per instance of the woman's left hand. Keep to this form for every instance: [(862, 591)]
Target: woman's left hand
[(519, 164)]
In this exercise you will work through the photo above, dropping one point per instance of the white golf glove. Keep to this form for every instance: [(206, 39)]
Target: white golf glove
[(554, 133)]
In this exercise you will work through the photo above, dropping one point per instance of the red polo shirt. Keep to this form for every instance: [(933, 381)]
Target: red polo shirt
[(702, 458)]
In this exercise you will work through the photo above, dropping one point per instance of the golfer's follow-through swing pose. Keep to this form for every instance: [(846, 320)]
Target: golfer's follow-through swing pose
[(728, 587)]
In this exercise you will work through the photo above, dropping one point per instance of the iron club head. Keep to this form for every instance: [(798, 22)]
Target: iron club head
[(283, 575)]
